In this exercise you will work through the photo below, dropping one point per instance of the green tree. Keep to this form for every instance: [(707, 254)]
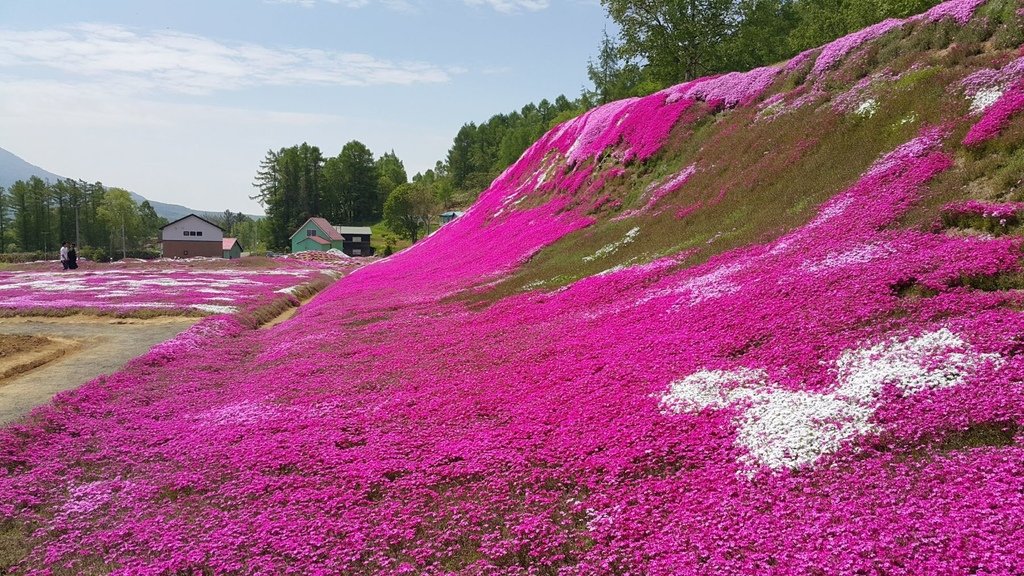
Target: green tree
[(149, 223), (615, 77), (360, 181), (409, 209), (761, 36), (251, 233), (121, 215), (288, 184), (677, 39), (391, 174)]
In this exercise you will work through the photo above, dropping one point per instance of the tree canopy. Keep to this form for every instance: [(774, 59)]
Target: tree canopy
[(295, 183), (410, 208)]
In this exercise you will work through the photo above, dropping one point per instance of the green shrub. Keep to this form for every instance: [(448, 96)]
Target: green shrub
[(22, 257), (94, 254)]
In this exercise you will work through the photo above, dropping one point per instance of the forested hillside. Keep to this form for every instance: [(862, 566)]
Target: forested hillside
[(765, 322)]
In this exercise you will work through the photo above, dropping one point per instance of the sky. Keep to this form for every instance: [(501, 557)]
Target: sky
[(179, 100)]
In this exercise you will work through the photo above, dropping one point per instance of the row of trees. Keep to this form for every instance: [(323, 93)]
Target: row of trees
[(665, 42), (298, 182), (481, 152), (36, 216)]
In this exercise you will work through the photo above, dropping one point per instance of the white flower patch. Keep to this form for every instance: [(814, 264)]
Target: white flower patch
[(700, 288), (289, 290), (985, 97), (712, 389), (932, 361), (611, 248), (782, 429), (867, 108), (214, 308), (861, 254)]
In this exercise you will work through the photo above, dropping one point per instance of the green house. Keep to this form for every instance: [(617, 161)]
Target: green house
[(316, 234), (232, 248)]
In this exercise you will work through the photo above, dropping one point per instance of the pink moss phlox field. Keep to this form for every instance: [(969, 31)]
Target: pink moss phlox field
[(997, 210), (833, 52), (843, 398), (728, 90), (657, 190), (997, 116), (166, 285), (430, 437), (960, 11), (985, 86)]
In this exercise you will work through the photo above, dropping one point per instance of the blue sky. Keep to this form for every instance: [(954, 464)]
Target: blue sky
[(179, 100)]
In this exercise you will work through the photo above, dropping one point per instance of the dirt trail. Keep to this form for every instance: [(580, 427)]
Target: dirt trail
[(104, 345)]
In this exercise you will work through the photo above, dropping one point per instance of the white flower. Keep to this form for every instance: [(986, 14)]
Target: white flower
[(781, 428)]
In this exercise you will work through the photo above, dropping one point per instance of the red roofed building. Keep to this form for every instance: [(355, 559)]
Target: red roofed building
[(232, 248), (318, 234)]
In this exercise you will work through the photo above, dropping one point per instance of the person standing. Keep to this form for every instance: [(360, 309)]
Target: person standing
[(64, 255), (72, 257)]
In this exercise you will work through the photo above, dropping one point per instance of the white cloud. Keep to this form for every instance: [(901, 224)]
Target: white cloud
[(191, 64), (503, 6), (511, 6)]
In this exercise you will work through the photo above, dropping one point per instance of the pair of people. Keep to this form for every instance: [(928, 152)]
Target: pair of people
[(68, 256)]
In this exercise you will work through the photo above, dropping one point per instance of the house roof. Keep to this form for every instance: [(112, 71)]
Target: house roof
[(322, 224), (192, 216), (319, 240), (361, 230), (229, 243)]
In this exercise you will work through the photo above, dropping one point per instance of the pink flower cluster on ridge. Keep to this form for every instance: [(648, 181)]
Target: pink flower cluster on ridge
[(997, 116), (1001, 210), (728, 90), (833, 52), (656, 191), (761, 413), (958, 10)]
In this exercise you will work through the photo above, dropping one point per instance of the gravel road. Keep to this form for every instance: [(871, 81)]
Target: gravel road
[(105, 345)]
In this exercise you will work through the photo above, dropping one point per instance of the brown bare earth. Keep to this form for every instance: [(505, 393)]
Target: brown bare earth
[(49, 355), (20, 353)]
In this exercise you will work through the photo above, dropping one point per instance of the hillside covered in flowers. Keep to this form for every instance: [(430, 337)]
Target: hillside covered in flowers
[(761, 323)]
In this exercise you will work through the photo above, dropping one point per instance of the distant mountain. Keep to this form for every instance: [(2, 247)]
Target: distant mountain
[(14, 168)]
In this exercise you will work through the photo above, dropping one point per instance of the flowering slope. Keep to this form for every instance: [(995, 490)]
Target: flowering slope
[(837, 396)]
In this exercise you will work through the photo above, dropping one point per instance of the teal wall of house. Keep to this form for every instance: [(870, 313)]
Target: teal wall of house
[(235, 252), (301, 241), (304, 244)]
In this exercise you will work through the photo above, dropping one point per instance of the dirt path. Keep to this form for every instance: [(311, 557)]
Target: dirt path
[(104, 345)]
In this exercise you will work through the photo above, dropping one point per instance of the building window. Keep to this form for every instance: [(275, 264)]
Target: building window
[(357, 239), (310, 233), (357, 252), (199, 233)]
